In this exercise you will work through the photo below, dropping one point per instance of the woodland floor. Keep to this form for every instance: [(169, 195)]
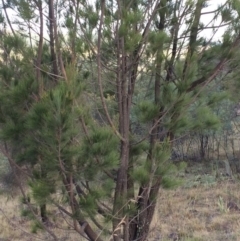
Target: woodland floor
[(204, 208)]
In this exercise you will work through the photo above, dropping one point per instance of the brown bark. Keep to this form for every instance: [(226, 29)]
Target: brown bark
[(193, 35), (8, 20), (127, 65), (52, 40), (175, 32), (40, 49), (123, 105), (147, 195), (85, 229), (43, 213)]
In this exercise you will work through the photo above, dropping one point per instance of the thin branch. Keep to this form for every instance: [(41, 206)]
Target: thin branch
[(40, 48), (213, 27), (99, 70), (8, 20)]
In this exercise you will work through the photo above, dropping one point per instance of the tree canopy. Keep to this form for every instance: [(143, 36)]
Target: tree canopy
[(93, 96)]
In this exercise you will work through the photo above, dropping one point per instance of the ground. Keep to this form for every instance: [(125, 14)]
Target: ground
[(206, 207)]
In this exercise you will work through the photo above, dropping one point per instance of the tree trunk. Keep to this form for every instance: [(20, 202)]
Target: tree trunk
[(43, 213), (121, 186), (193, 35), (147, 195), (52, 39)]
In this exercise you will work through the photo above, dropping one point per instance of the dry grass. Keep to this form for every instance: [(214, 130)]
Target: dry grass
[(207, 211), (15, 227), (204, 209)]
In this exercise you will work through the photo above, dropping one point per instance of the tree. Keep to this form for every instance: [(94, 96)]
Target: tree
[(101, 58)]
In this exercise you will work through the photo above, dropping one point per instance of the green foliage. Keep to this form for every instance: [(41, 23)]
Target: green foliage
[(26, 12), (93, 19), (88, 204), (169, 182), (41, 190), (2, 19), (14, 44), (181, 124), (146, 111), (139, 148), (141, 175), (168, 95), (191, 72), (226, 14), (101, 144), (217, 98), (206, 119), (162, 168), (156, 40), (36, 226), (162, 151), (58, 127), (131, 36)]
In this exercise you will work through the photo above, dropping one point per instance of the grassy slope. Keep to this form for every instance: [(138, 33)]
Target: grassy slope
[(204, 208)]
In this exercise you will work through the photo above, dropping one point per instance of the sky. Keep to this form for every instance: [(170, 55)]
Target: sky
[(208, 17)]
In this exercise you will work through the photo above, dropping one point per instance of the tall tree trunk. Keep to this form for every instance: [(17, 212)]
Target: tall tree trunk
[(52, 40), (175, 31), (193, 35), (40, 49), (147, 195), (123, 106)]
